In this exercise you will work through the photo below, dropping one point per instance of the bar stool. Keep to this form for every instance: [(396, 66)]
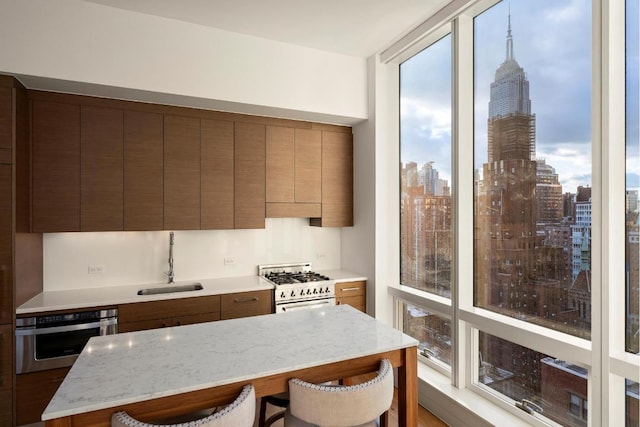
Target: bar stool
[(340, 406), (239, 413)]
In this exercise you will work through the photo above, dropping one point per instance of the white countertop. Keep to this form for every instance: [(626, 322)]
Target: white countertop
[(137, 366), (113, 295)]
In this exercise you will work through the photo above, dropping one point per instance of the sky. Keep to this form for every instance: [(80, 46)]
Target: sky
[(552, 42)]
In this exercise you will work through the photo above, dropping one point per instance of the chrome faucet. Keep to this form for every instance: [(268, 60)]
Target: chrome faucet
[(170, 272)]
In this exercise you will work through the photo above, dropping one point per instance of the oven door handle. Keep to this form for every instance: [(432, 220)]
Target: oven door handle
[(68, 328), (311, 304)]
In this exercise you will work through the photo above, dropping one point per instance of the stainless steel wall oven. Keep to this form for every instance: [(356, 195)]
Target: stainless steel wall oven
[(55, 340)]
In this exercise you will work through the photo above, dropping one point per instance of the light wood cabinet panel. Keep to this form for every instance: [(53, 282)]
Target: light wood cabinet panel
[(181, 173), (216, 175), (249, 175), (245, 304), (280, 164), (337, 181), (55, 144), (101, 166), (143, 171), (353, 294), (308, 166), (34, 391), (293, 172)]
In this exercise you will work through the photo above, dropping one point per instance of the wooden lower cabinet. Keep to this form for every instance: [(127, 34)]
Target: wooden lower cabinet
[(34, 391), (175, 312), (6, 375), (246, 304), (352, 293)]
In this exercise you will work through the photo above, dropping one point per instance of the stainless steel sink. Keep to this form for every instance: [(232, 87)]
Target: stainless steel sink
[(171, 289)]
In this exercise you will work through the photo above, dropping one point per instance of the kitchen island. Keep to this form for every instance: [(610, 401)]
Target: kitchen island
[(159, 373)]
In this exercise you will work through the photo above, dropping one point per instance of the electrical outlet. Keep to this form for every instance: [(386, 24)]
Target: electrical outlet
[(95, 269), (321, 255), (229, 261)]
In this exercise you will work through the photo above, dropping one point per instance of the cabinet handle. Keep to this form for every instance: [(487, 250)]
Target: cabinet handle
[(254, 299), (350, 289)]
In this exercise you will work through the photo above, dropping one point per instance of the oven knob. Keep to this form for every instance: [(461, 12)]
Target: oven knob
[(293, 294), (315, 291), (282, 295), (327, 290), (321, 291), (308, 291)]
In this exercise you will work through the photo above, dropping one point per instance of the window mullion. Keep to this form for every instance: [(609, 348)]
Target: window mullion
[(462, 292)]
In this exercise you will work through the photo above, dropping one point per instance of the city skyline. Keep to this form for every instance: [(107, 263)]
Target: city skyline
[(557, 61)]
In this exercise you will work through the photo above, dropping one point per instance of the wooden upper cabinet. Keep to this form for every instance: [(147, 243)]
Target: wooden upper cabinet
[(293, 172), (55, 166), (216, 175), (308, 166), (337, 180), (143, 171), (6, 117), (181, 173), (280, 166), (249, 175), (102, 169)]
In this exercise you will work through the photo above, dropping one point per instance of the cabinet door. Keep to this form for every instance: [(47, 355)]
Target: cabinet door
[(6, 375), (34, 391), (245, 304), (216, 175), (102, 169), (55, 145), (143, 171), (181, 173), (6, 246), (249, 175), (353, 294), (337, 180), (6, 117), (280, 165), (308, 166)]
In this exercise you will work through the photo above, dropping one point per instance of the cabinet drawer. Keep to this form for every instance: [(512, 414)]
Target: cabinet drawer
[(349, 289), (34, 391), (164, 322), (358, 302), (245, 304), (152, 310)]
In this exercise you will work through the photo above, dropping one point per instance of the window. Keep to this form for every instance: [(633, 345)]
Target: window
[(534, 120), (425, 153), (528, 301)]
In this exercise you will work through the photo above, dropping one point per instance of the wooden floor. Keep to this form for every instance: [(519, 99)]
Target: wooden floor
[(425, 418)]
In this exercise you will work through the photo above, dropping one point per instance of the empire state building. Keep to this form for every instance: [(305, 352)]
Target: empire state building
[(505, 232)]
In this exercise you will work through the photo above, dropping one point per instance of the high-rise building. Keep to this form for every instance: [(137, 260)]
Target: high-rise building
[(548, 195), (581, 229), (506, 235)]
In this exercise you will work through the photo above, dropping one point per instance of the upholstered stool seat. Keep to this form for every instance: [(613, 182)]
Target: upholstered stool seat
[(240, 413), (340, 406)]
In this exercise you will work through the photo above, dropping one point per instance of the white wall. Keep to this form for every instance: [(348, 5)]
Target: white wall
[(78, 41), (141, 257)]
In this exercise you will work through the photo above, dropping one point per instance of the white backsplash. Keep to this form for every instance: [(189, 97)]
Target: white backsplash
[(126, 258)]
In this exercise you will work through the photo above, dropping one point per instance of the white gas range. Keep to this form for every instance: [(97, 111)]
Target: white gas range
[(297, 287)]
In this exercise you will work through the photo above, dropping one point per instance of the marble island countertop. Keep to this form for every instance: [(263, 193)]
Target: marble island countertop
[(126, 368), (125, 294)]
